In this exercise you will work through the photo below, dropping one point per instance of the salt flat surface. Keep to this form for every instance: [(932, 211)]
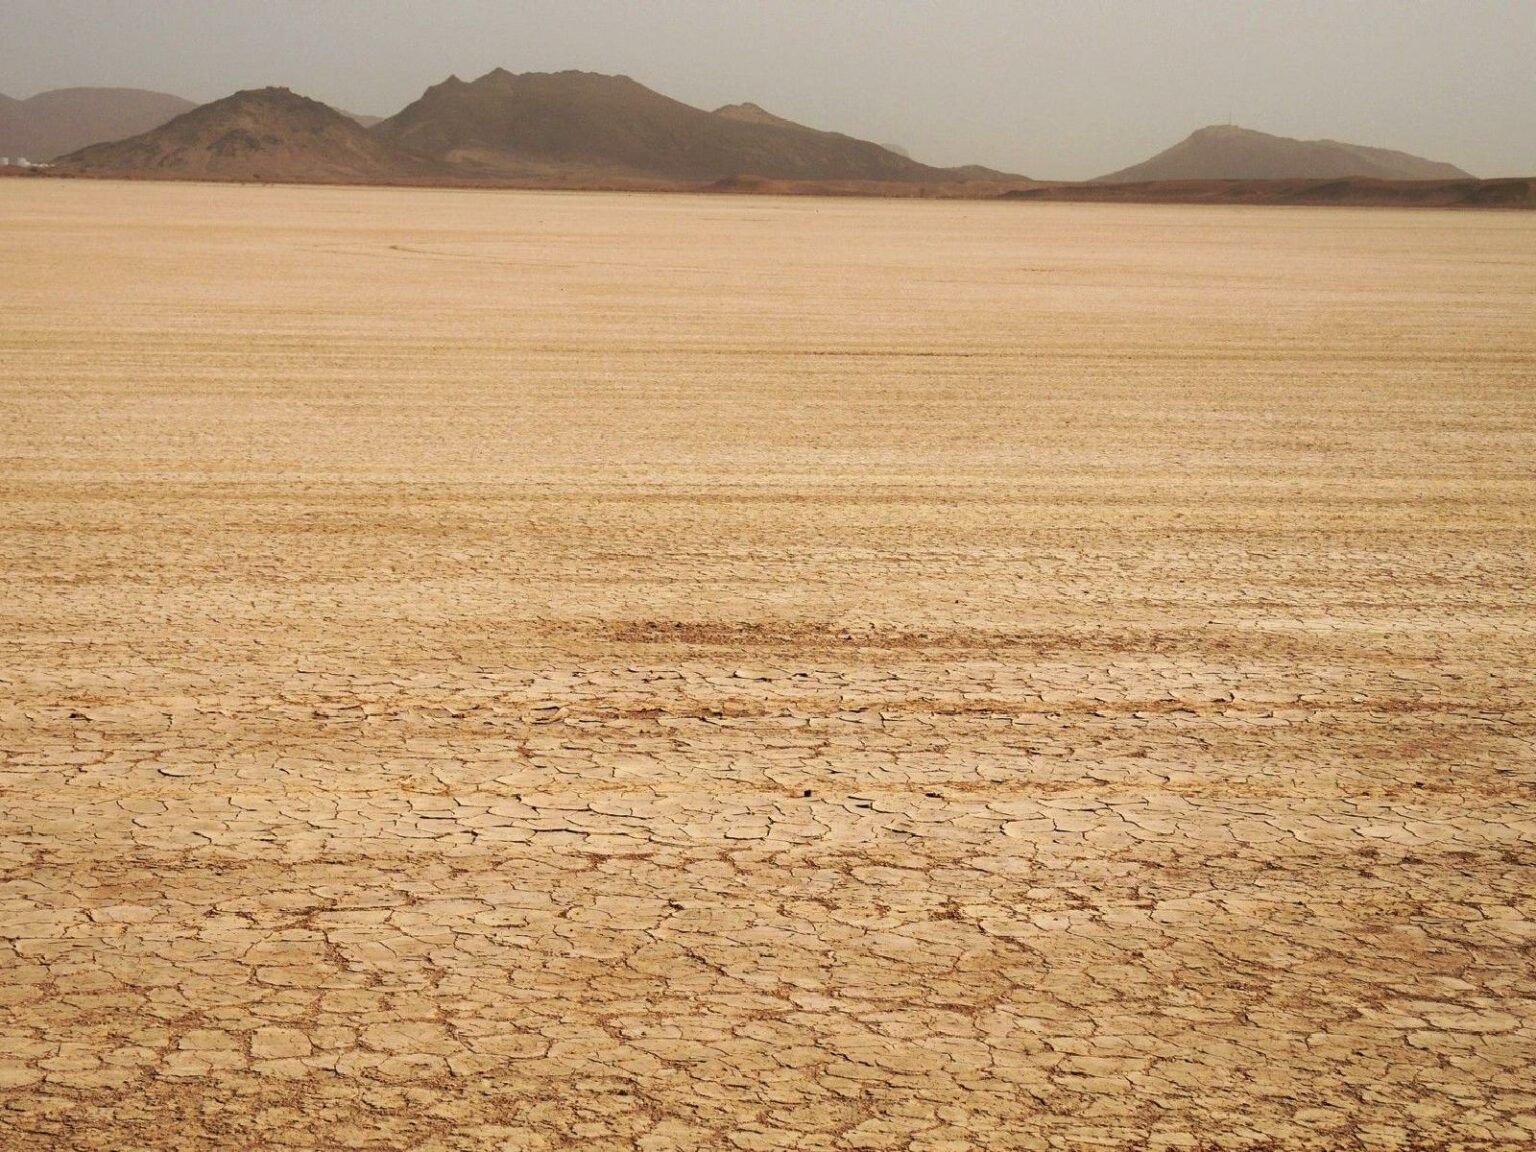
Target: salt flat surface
[(516, 671)]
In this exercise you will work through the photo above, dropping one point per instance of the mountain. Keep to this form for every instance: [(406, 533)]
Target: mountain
[(574, 124), (52, 123), (570, 129), (267, 134), (1226, 152)]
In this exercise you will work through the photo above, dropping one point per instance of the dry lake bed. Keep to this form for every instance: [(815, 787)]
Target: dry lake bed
[(535, 671)]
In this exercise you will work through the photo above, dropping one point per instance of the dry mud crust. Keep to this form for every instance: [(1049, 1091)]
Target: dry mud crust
[(491, 671)]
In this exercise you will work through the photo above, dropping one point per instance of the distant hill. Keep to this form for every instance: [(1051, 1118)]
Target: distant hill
[(1226, 152), (267, 134), (573, 123), (50, 124)]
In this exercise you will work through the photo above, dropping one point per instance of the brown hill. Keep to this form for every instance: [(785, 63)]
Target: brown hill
[(1350, 192), (1226, 152), (574, 123), (267, 134), (51, 124)]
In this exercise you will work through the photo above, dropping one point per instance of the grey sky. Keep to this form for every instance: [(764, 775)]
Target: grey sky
[(1050, 88)]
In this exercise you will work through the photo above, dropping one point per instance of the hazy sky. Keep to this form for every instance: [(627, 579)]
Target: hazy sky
[(1049, 88)]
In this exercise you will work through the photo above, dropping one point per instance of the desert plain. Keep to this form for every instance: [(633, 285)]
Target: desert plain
[(495, 670)]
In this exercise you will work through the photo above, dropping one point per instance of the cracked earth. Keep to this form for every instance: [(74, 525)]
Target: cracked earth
[(519, 671)]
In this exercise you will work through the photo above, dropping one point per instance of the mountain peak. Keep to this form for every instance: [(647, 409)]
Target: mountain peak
[(749, 113), (269, 95), (568, 76), (1216, 131)]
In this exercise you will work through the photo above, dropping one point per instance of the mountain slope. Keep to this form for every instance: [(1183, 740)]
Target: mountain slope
[(53, 123), (574, 123), (750, 113), (756, 114), (1226, 152), (265, 134)]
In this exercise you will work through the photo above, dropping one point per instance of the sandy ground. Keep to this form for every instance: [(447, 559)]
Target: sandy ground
[(514, 671)]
